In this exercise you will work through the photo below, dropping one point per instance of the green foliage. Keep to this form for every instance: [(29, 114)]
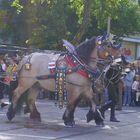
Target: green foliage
[(17, 5), (3, 14), (43, 23), (125, 16), (128, 21), (5, 20), (78, 6), (50, 26)]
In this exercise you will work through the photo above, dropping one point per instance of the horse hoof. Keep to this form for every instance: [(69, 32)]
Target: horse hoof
[(102, 124), (35, 118), (69, 124), (90, 116), (99, 123), (10, 115), (100, 114), (73, 123), (98, 117)]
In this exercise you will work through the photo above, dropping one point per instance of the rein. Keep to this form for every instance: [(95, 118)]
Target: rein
[(77, 65), (76, 61), (114, 75)]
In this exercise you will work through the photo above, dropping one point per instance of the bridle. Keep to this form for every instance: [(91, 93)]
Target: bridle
[(103, 61), (77, 64), (94, 73)]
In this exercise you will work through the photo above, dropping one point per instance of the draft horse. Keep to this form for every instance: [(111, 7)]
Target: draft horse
[(82, 63)]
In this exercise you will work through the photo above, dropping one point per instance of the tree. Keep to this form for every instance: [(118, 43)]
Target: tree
[(86, 17), (48, 22), (5, 23), (139, 2), (128, 22), (52, 20)]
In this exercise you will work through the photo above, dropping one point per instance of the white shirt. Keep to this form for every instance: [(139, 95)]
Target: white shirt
[(3, 66), (135, 85)]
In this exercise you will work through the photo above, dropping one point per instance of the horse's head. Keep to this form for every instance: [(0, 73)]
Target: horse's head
[(97, 50), (106, 48)]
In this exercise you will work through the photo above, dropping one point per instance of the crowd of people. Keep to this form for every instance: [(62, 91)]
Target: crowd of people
[(132, 86), (122, 92), (7, 72)]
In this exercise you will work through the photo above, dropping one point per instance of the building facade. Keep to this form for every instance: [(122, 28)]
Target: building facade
[(132, 47)]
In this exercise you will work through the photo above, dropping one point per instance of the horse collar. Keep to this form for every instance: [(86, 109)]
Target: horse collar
[(73, 63), (83, 69)]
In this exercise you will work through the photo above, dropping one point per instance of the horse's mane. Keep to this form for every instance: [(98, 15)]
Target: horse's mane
[(85, 49)]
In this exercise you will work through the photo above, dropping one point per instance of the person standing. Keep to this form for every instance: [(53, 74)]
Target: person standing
[(128, 81), (121, 92), (135, 89), (112, 89), (11, 70), (2, 85), (137, 66), (112, 85)]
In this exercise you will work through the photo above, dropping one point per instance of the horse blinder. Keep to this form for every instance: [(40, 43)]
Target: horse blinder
[(104, 46)]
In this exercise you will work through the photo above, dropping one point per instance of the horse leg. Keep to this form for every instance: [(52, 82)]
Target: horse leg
[(90, 114), (93, 112), (34, 114), (16, 95), (68, 115), (13, 86)]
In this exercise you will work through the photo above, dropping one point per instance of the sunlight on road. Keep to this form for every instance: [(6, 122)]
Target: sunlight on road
[(22, 135), (5, 138), (109, 127), (106, 127)]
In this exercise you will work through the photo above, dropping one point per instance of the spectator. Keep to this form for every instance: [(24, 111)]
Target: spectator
[(138, 92), (135, 89), (2, 85), (12, 76), (137, 67), (128, 81)]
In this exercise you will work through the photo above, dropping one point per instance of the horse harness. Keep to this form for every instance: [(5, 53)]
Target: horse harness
[(67, 63), (113, 73)]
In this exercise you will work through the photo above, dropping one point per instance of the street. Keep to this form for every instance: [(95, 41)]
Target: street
[(52, 127)]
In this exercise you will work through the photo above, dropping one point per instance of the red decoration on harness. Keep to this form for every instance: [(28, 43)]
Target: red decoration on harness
[(73, 63), (67, 61), (51, 67)]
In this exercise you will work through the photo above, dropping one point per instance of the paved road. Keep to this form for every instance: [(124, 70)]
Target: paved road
[(52, 128)]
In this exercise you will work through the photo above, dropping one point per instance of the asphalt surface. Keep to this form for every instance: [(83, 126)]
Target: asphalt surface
[(52, 127)]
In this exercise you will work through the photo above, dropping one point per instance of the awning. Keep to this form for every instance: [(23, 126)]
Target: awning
[(135, 40)]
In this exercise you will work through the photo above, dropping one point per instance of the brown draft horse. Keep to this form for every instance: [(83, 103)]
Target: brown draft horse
[(77, 85)]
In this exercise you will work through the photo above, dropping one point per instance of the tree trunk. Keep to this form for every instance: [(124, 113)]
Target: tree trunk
[(85, 22)]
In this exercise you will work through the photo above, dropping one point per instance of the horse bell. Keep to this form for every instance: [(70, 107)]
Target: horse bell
[(28, 66)]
